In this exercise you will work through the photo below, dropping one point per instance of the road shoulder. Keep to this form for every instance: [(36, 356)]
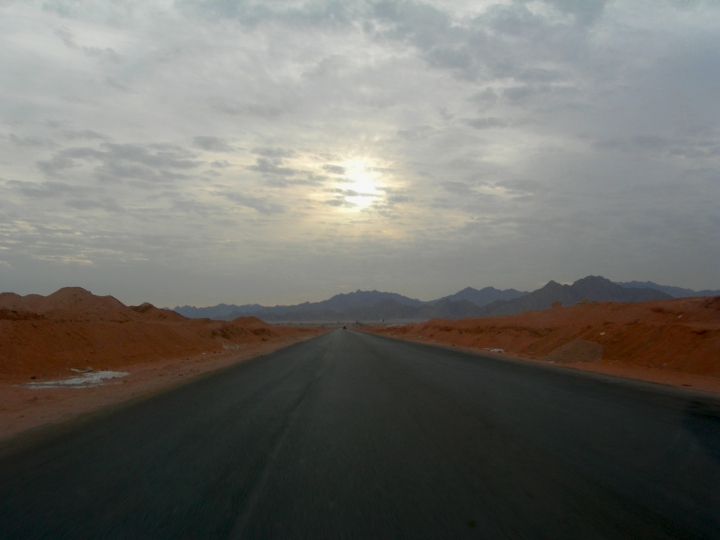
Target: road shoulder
[(23, 408), (685, 381)]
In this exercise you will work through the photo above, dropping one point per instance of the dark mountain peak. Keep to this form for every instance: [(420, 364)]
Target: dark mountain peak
[(359, 292), (469, 302), (676, 292), (594, 288), (597, 285), (594, 280), (483, 296), (489, 289), (344, 301), (470, 289), (387, 302), (640, 284)]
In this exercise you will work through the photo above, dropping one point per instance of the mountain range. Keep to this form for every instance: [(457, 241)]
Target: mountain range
[(590, 288), (675, 292), (358, 303), (486, 302)]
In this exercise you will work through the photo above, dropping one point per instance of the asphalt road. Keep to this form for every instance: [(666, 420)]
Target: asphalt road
[(356, 436)]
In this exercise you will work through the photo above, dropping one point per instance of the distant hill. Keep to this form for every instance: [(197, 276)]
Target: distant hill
[(355, 300), (71, 302), (330, 309), (78, 304), (675, 292), (212, 312), (355, 304), (483, 296), (443, 308), (387, 309), (339, 303), (592, 288), (487, 302)]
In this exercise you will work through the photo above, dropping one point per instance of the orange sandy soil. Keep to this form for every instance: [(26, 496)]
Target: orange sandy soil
[(45, 338), (675, 342)]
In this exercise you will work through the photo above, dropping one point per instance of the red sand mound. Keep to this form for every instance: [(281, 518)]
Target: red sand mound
[(50, 338), (150, 312), (71, 303), (45, 337), (681, 335)]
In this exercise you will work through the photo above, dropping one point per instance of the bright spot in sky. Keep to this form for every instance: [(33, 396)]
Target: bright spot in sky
[(363, 185)]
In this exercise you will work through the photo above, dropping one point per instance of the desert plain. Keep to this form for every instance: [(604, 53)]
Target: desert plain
[(46, 341), (674, 342), (115, 353)]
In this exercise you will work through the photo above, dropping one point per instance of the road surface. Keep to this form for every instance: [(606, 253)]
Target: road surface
[(351, 435)]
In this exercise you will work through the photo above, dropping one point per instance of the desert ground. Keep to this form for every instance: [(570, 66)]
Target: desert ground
[(73, 352), (675, 342), (111, 352)]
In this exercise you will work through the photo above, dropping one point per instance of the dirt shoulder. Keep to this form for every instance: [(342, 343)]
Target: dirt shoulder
[(672, 342), (689, 381), (23, 408)]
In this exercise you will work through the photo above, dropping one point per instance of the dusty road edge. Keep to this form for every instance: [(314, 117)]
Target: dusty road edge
[(17, 440), (709, 392)]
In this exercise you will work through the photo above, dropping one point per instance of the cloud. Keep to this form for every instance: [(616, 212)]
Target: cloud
[(393, 197), (90, 204), (302, 15), (704, 146), (116, 162), (260, 204), (458, 188), (106, 53), (488, 122), (415, 133), (519, 94), (55, 165), (32, 140), (540, 75), (328, 66), (43, 190), (487, 97), (584, 11), (334, 169), (561, 137), (87, 134), (115, 84), (273, 152), (340, 202), (261, 110), (212, 144), (271, 166)]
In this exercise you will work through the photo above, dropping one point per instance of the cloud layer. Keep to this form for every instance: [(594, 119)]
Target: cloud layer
[(202, 151)]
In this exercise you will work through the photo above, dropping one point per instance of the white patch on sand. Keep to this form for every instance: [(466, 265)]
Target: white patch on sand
[(95, 378)]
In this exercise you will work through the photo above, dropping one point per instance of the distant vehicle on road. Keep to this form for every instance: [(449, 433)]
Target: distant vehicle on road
[(344, 327)]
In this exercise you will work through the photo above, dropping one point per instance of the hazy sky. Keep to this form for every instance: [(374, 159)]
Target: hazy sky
[(206, 151)]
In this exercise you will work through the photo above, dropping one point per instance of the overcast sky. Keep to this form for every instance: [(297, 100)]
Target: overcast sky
[(206, 151)]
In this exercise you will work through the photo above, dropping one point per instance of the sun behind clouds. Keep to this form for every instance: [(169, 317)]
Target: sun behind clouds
[(364, 183)]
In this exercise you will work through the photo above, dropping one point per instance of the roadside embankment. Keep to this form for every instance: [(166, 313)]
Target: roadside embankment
[(49, 343), (671, 341)]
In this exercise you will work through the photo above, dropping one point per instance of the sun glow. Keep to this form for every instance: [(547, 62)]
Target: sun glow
[(363, 187)]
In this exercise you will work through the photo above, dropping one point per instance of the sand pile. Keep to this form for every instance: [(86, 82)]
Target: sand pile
[(45, 337), (680, 335), (150, 312), (70, 303)]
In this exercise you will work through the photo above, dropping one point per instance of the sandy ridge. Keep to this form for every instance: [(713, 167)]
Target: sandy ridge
[(675, 342), (73, 332), (23, 408)]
